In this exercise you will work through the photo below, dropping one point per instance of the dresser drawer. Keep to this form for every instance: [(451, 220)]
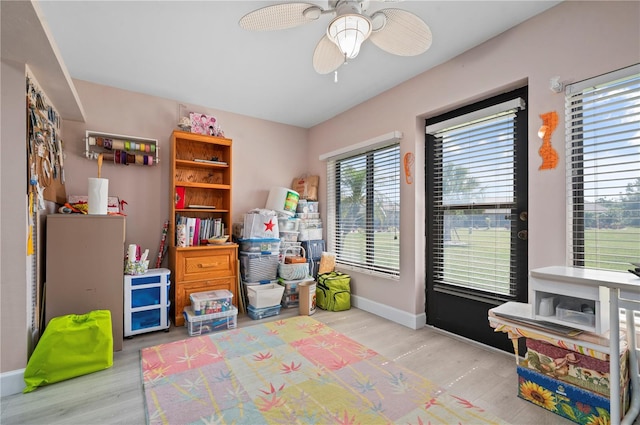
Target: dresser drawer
[(205, 264)]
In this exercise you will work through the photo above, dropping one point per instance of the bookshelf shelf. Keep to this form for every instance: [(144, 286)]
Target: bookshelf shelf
[(200, 178)]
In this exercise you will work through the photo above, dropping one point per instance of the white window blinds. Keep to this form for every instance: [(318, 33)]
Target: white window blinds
[(603, 170), (474, 200), (363, 204)]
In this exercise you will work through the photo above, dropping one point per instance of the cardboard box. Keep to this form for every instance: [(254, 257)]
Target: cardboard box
[(566, 400), (307, 291)]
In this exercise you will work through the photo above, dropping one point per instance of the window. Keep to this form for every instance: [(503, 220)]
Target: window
[(603, 170), (476, 198), (363, 204)]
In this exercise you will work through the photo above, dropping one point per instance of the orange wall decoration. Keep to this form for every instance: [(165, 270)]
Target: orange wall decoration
[(409, 159), (547, 152)]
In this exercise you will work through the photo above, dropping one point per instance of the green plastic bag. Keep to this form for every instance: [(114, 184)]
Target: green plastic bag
[(71, 345), (333, 292)]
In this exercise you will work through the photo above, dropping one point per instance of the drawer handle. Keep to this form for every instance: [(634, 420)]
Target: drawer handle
[(207, 265)]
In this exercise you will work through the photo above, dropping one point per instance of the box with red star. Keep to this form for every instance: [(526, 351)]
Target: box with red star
[(261, 224)]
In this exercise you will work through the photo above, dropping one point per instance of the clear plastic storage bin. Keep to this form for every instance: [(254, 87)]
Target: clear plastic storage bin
[(289, 236), (261, 313), (211, 301), (256, 267), (310, 234), (290, 301), (288, 224), (204, 324), (262, 246), (291, 286)]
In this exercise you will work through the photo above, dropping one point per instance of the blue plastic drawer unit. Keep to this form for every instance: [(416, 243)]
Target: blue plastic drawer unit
[(146, 302)]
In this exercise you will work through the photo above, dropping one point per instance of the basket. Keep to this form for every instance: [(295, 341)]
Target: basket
[(293, 271), (256, 267), (266, 295)]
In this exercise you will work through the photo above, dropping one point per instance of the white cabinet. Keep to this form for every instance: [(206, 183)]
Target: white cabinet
[(146, 302), (560, 296)]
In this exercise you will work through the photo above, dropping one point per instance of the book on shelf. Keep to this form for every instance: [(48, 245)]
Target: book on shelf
[(179, 197), (207, 161), (200, 228)]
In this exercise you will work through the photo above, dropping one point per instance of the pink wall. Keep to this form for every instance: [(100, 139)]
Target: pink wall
[(574, 40), (14, 328), (265, 154)]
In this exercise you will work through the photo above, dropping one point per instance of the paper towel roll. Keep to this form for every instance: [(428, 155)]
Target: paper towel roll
[(131, 252), (98, 196)]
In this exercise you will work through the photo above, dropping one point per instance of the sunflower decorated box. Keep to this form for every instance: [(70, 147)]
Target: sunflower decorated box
[(569, 401), (575, 368)]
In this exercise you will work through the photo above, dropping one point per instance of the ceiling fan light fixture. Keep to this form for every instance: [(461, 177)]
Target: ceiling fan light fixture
[(348, 32)]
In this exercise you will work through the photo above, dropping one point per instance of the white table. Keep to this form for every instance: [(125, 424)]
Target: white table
[(624, 289)]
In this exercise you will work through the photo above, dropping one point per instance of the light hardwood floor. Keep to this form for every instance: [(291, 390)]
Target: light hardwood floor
[(483, 376)]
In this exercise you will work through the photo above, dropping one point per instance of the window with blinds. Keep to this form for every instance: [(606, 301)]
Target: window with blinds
[(472, 205), (363, 201), (603, 170)]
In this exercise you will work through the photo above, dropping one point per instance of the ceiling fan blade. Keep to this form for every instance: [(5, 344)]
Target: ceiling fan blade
[(403, 34), (326, 56), (280, 16)]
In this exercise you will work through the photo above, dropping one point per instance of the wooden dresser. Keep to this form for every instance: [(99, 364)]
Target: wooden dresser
[(201, 269)]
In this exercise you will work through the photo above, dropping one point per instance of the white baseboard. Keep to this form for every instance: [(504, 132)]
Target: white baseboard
[(472, 342), (413, 321), (11, 382)]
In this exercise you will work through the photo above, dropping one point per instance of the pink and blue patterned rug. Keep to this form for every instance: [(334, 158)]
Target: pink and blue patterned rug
[(296, 370)]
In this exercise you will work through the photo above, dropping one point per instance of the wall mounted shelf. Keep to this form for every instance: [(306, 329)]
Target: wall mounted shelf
[(121, 149)]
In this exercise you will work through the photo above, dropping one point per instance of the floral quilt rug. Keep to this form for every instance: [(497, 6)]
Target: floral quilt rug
[(293, 371)]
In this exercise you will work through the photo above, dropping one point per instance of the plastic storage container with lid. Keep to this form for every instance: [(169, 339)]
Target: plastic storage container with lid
[(211, 301), (204, 324)]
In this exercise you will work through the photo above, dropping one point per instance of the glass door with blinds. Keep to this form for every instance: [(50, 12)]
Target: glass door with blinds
[(476, 214)]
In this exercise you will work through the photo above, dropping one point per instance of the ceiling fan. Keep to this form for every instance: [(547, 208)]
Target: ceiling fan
[(393, 30)]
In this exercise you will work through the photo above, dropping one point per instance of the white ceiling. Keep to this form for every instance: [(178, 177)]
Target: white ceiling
[(195, 52)]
